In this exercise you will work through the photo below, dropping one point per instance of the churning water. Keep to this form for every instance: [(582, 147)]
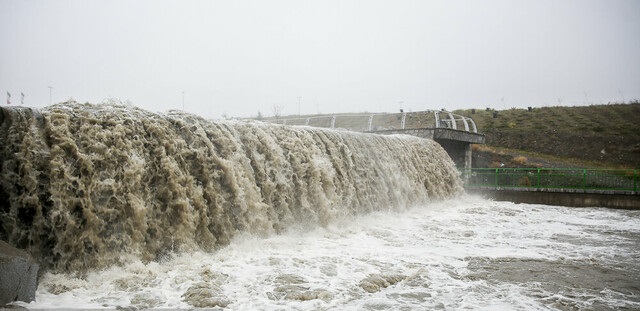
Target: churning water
[(131, 209), (465, 253)]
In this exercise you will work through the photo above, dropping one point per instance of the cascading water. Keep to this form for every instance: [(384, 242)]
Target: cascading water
[(83, 186)]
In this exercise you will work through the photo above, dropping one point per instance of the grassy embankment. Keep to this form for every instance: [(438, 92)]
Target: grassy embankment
[(597, 136)]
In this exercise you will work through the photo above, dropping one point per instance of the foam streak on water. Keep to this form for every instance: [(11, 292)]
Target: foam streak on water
[(465, 253)]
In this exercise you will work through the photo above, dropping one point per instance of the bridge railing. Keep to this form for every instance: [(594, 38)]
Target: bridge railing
[(385, 121), (553, 178)]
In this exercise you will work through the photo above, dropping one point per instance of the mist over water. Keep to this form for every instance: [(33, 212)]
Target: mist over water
[(88, 186)]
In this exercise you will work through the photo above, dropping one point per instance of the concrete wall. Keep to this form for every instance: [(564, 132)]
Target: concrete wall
[(18, 275), (610, 200)]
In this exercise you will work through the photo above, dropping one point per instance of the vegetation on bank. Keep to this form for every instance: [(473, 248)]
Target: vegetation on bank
[(587, 136)]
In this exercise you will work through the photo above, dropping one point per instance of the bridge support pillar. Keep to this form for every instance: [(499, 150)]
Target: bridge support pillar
[(459, 151), (467, 156)]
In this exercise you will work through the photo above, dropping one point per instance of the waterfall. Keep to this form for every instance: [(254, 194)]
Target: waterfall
[(83, 186)]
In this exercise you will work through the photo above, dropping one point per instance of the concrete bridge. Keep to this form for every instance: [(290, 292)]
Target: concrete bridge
[(454, 132)]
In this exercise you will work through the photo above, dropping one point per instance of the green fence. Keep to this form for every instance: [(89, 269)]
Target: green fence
[(553, 178)]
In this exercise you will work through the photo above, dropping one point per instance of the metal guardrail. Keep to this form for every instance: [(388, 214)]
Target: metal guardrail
[(627, 180), (384, 121)]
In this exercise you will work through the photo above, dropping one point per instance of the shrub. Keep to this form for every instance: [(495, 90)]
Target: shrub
[(521, 160), (524, 182)]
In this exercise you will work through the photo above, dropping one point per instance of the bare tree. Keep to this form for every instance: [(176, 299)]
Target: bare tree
[(277, 111)]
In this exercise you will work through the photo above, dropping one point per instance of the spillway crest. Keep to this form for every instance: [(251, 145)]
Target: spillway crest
[(83, 186)]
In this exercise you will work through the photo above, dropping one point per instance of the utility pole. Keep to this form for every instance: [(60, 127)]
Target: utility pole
[(586, 97), (299, 98), (50, 96)]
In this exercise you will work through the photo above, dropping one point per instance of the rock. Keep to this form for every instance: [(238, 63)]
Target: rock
[(18, 275), (374, 282), (205, 295)]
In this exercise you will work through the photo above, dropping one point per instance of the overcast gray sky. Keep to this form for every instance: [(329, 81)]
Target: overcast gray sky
[(241, 57)]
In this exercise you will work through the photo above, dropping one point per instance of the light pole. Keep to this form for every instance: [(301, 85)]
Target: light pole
[(50, 92)]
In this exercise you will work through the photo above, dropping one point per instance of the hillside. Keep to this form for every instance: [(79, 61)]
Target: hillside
[(600, 135)]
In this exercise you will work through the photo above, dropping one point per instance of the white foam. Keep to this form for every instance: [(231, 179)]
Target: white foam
[(428, 249)]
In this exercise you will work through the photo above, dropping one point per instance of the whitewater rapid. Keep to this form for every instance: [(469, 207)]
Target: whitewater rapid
[(465, 253)]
